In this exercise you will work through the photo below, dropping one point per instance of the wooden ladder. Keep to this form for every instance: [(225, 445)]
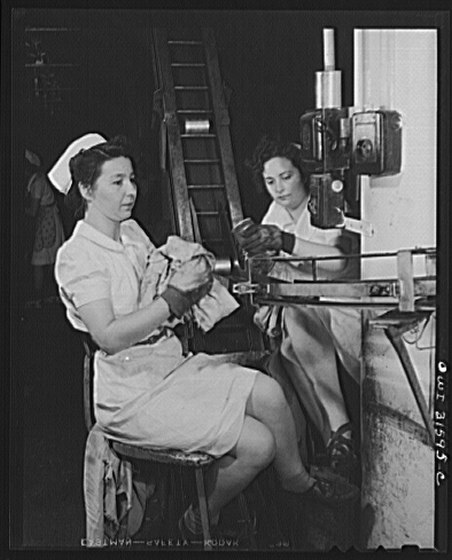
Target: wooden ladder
[(196, 151)]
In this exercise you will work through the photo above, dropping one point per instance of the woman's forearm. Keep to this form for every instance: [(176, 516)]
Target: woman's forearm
[(121, 332), (303, 248)]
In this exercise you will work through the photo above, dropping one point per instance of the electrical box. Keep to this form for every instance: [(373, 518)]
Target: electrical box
[(324, 137), (376, 142), (336, 140), (326, 201)]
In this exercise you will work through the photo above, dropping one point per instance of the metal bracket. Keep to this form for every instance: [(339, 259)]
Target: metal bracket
[(404, 291), (394, 334), (395, 323), (244, 288), (406, 281), (358, 226)]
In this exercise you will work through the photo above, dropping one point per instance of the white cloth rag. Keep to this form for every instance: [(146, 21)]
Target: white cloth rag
[(210, 309)]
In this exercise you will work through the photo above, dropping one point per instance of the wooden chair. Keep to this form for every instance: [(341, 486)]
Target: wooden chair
[(198, 461)]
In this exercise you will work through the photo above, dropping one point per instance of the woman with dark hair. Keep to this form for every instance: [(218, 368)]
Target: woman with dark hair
[(146, 392), (311, 335)]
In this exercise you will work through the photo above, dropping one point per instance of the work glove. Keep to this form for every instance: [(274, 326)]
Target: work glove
[(261, 266), (257, 239), (188, 284)]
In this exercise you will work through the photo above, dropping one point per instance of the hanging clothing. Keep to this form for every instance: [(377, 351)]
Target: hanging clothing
[(105, 478), (149, 394), (49, 234)]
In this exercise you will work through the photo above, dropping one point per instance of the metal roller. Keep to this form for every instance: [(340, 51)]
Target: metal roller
[(198, 126), (223, 266), (328, 89)]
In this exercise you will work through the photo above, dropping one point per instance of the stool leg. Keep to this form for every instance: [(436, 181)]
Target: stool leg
[(250, 529), (203, 510)]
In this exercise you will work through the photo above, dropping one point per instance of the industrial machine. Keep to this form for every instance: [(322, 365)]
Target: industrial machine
[(342, 148), (338, 146), (346, 151), (340, 143)]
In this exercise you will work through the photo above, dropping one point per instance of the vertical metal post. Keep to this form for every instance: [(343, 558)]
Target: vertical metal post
[(406, 282), (203, 509)]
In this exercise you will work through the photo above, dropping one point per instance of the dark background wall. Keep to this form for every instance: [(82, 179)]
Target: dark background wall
[(267, 58)]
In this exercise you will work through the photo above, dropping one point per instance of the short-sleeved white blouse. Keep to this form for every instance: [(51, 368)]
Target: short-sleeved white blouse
[(148, 394), (278, 215)]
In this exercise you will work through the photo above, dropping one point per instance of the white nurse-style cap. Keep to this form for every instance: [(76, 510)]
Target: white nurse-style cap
[(60, 175)]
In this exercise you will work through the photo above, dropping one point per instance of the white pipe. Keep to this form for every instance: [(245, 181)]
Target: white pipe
[(328, 84), (328, 49), (328, 88)]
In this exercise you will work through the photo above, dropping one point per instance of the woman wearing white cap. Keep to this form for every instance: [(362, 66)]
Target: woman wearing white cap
[(146, 391)]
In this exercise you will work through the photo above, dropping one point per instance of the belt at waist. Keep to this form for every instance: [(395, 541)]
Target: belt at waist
[(91, 347), (165, 332)]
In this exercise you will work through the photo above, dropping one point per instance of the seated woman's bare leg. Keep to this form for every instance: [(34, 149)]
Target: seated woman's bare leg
[(268, 404), (268, 435), (233, 472)]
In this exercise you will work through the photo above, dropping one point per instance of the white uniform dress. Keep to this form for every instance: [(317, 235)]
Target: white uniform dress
[(148, 394), (313, 335)]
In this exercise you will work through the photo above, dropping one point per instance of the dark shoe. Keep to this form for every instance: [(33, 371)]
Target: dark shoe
[(185, 532), (195, 540), (341, 451), (220, 537), (330, 488)]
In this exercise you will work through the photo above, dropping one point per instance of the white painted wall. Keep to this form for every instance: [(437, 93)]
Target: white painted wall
[(397, 69)]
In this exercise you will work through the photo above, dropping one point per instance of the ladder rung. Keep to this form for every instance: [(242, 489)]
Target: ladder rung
[(183, 42), (197, 135), (45, 29), (200, 187), (52, 65), (201, 160), (193, 111), (191, 88), (207, 213), (231, 328), (187, 64), (54, 89)]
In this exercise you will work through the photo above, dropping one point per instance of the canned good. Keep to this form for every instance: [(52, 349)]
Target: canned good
[(244, 228)]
